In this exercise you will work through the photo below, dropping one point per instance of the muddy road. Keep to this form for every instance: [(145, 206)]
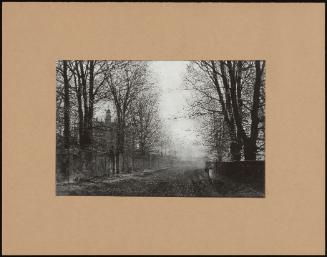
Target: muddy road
[(173, 182)]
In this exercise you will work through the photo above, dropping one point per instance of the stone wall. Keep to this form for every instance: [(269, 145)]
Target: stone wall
[(247, 172)]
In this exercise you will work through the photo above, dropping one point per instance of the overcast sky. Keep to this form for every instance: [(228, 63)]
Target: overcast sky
[(173, 106)]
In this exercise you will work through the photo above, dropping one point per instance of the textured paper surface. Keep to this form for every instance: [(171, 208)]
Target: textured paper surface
[(290, 220)]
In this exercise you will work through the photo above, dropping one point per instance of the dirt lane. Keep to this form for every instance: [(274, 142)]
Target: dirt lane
[(174, 182)]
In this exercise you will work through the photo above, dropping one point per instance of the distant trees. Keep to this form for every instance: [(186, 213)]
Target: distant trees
[(145, 120), (232, 94)]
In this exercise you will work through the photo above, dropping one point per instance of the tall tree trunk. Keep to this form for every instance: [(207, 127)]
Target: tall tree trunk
[(66, 120), (239, 66), (250, 150), (133, 162), (91, 102), (89, 106), (113, 161), (80, 108), (125, 162), (235, 108), (117, 162), (229, 85), (85, 105), (133, 151), (250, 144)]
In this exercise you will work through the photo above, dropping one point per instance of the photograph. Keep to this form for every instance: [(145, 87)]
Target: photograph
[(160, 128)]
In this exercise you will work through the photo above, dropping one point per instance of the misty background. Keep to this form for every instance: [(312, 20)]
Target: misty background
[(173, 108)]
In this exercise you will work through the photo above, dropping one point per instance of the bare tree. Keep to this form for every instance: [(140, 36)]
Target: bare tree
[(145, 120), (128, 87), (63, 100), (125, 81), (88, 81), (232, 89)]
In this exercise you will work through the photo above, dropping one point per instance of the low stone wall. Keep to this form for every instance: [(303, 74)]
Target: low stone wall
[(248, 172)]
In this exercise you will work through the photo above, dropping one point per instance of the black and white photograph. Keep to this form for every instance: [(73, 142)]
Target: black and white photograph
[(160, 128)]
